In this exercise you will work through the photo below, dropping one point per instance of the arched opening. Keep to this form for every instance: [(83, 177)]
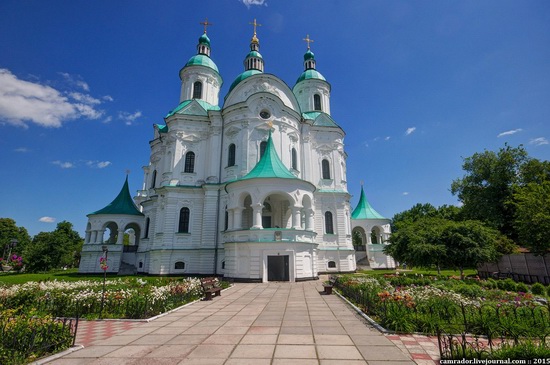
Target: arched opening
[(231, 155), (325, 166), (247, 213), (183, 224), (329, 225), (153, 179), (376, 236), (131, 237), (331, 265), (359, 239), (110, 234), (266, 215), (197, 90), (147, 224), (294, 159), (179, 265), (317, 102), (189, 162)]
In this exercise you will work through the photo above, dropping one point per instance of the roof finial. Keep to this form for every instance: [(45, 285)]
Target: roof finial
[(362, 183), (308, 40), (255, 24), (127, 172), (206, 24)]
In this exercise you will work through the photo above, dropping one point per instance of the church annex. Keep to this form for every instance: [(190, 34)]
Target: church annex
[(255, 190)]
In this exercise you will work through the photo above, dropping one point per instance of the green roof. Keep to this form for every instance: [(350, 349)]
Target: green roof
[(309, 55), (202, 60), (123, 204), (310, 74), (254, 54), (270, 165), (205, 105), (364, 210), (320, 119), (243, 76), (204, 39), (162, 128)]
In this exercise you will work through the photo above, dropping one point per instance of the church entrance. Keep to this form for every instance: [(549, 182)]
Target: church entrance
[(277, 268)]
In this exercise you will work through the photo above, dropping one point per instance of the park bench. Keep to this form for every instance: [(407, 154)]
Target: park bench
[(210, 286), (328, 285)]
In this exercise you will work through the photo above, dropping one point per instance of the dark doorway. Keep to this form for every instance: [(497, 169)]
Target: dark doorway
[(277, 268)]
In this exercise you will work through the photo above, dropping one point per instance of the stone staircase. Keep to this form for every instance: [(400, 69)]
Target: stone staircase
[(363, 264), (127, 269)]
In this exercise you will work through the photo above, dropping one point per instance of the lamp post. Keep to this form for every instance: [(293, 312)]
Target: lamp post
[(104, 267), (10, 246)]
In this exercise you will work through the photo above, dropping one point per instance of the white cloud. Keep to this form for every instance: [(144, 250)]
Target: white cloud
[(98, 164), (22, 149), (108, 119), (64, 165), (387, 138), (108, 98), (23, 101), (539, 141), (47, 219), (248, 3), (405, 193), (129, 118), (75, 80), (410, 130), (509, 133)]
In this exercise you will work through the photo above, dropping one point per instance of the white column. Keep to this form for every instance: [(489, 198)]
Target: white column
[(309, 219), (230, 220), (120, 237), (296, 218), (238, 218), (257, 216), (99, 238)]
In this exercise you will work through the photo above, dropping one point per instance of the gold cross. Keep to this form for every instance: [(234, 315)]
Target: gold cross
[(206, 24), (308, 40), (255, 25)]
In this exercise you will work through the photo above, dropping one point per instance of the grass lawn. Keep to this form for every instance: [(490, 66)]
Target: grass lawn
[(430, 272), (62, 275)]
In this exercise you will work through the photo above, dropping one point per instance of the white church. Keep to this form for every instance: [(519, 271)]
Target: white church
[(255, 190)]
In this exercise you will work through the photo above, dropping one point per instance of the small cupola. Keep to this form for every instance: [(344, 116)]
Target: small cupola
[(254, 60)]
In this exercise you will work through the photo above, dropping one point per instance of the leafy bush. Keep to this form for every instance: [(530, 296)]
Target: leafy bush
[(548, 291), (490, 283), (538, 289), (472, 290), (522, 288), (508, 284)]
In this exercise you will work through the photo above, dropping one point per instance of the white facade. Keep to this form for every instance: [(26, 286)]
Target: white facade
[(254, 191)]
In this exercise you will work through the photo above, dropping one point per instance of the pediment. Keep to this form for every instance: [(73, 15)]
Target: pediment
[(193, 108)]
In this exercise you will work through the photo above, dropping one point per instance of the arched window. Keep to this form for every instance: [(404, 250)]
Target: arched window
[(147, 223), (223, 265), (189, 162), (153, 179), (325, 165), (263, 146), (331, 265), (183, 226), (329, 227), (197, 90), (231, 155), (140, 265), (294, 159), (226, 224), (180, 265), (317, 102)]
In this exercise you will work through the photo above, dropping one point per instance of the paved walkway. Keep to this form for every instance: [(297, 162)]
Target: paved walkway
[(275, 324)]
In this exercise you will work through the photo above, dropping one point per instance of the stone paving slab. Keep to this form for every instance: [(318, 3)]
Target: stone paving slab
[(269, 323)]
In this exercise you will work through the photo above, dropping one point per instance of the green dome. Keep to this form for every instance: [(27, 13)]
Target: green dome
[(243, 76), (309, 55), (310, 74), (204, 40), (254, 54), (202, 60)]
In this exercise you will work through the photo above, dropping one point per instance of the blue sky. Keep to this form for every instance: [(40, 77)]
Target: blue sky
[(415, 85)]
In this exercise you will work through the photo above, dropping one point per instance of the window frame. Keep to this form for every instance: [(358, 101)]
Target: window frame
[(184, 220), (189, 165), (197, 90)]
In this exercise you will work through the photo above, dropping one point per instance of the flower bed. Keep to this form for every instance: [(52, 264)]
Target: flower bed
[(124, 298), (419, 304)]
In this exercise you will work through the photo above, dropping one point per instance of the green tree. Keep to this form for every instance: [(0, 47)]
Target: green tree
[(532, 216), (50, 250), (468, 244), (418, 243), (487, 187), (10, 231)]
